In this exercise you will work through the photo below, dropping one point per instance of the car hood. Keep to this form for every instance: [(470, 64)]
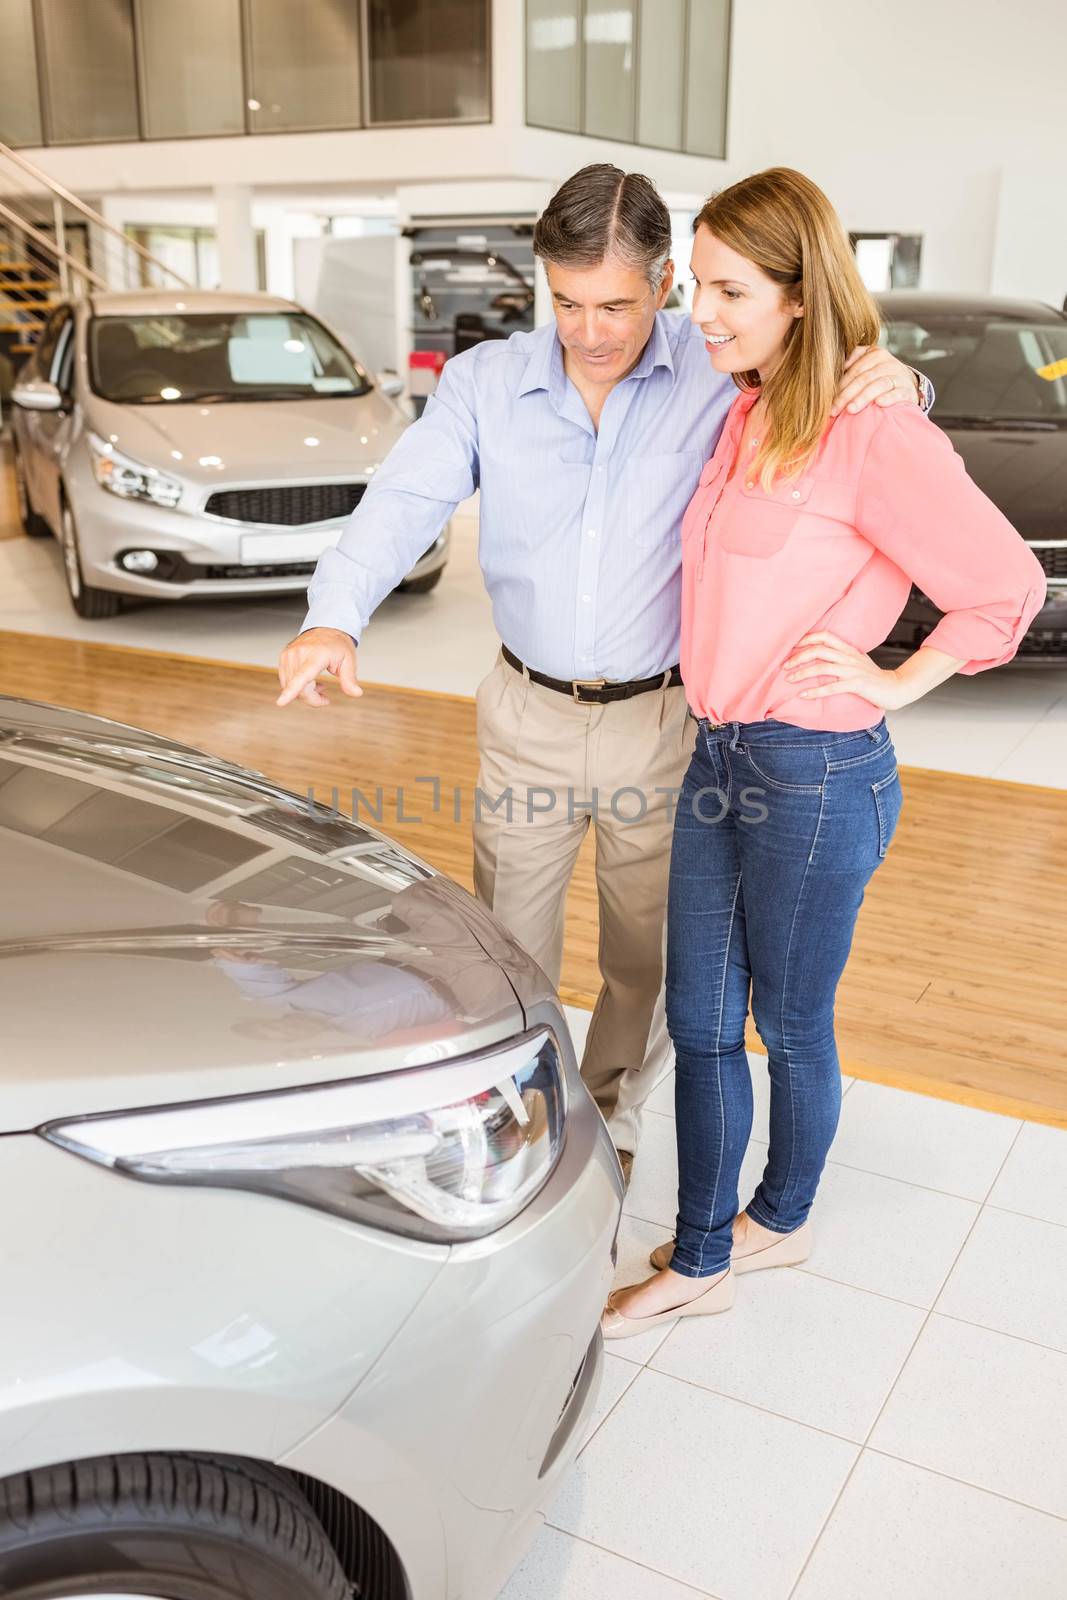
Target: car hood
[(175, 928), (1022, 470), (263, 441)]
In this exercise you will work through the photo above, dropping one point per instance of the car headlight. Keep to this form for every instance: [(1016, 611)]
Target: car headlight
[(443, 1153), (128, 478)]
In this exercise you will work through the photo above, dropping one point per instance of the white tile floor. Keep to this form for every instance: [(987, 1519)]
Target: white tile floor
[(1007, 724), (887, 1422)]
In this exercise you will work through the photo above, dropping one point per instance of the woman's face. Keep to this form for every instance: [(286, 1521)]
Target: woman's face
[(743, 314)]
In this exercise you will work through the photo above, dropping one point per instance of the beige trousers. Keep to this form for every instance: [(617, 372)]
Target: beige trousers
[(550, 769)]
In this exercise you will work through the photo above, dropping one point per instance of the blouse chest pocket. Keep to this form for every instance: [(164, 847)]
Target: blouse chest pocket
[(759, 524)]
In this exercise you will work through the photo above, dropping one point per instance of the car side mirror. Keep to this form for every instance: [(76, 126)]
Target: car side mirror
[(391, 384), (36, 395)]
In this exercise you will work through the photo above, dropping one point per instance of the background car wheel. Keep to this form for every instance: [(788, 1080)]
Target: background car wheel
[(87, 602), (33, 525), (163, 1527), (422, 585)]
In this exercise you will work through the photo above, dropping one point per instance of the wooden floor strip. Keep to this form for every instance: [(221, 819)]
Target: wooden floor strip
[(957, 986)]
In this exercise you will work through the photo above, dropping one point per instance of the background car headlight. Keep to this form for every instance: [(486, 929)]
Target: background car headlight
[(128, 478), (443, 1153)]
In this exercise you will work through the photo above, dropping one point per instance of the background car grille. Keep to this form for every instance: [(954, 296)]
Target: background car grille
[(1053, 557), (287, 504)]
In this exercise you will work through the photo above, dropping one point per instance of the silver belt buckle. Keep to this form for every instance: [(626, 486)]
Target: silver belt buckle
[(586, 683)]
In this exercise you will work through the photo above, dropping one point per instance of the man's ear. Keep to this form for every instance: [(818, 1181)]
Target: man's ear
[(666, 285)]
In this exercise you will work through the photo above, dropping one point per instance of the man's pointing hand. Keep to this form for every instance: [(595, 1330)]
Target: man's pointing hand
[(309, 654)]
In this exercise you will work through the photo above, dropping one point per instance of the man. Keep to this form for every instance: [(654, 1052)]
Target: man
[(586, 440)]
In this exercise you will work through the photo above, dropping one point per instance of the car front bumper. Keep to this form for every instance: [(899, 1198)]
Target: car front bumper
[(1044, 644), (202, 556)]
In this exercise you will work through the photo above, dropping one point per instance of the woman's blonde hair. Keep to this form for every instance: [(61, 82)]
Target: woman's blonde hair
[(783, 222)]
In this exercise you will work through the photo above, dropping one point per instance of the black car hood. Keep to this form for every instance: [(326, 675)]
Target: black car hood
[(1022, 470)]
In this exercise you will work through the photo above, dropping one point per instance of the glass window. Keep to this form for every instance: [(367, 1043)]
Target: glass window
[(708, 70), (609, 68), (190, 67), (661, 74), (20, 111), (553, 64), (168, 360), (428, 60), (87, 48), (303, 64), (984, 369)]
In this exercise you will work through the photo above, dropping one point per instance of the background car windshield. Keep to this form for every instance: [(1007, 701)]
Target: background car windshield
[(987, 368), (219, 356)]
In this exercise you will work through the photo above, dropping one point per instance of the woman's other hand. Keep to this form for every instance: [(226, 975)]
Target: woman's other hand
[(873, 376)]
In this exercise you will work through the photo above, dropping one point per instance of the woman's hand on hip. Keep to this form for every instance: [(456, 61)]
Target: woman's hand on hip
[(824, 655)]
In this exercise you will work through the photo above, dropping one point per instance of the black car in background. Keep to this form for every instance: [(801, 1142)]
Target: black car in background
[(999, 367)]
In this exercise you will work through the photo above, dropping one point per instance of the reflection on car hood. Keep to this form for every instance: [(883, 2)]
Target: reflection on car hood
[(1023, 471), (255, 441), (174, 927)]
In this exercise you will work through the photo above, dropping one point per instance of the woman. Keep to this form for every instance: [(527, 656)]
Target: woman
[(799, 551)]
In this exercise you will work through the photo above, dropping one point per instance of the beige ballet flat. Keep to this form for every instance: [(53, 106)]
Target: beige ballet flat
[(788, 1251), (720, 1297)]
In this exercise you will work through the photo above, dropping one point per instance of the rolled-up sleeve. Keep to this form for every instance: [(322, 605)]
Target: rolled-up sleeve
[(917, 505), (431, 468)]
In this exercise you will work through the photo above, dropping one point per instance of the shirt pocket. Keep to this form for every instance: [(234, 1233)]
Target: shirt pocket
[(653, 493), (760, 524)]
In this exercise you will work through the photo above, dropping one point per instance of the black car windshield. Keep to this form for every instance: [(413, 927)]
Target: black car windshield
[(219, 356), (987, 369)]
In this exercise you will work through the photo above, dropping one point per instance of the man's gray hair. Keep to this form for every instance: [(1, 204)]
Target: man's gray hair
[(603, 211)]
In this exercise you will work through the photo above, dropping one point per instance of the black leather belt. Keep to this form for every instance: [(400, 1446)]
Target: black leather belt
[(596, 691)]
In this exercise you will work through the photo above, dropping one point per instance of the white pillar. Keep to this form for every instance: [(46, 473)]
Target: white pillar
[(236, 237)]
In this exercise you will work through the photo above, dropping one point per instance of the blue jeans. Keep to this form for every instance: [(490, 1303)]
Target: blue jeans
[(778, 831)]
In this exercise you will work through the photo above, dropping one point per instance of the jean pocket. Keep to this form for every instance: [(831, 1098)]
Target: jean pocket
[(888, 801), (793, 769), (872, 749)]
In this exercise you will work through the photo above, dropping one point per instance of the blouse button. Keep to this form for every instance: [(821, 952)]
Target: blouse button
[(796, 494), (750, 484)]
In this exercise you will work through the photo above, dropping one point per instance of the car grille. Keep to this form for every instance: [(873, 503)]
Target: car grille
[(287, 505), (1053, 557)]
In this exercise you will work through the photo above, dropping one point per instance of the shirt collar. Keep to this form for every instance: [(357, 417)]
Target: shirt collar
[(544, 370)]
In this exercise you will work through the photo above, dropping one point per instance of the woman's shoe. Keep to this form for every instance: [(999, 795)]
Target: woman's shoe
[(720, 1297), (789, 1250)]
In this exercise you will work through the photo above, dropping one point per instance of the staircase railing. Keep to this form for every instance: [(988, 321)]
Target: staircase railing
[(121, 262)]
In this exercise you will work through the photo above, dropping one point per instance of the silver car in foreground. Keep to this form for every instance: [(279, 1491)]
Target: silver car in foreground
[(198, 443), (308, 1217)]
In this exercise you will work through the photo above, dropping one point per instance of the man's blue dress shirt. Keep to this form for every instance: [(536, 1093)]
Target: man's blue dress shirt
[(579, 538)]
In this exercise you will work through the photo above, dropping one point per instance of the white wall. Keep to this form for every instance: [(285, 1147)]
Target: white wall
[(912, 116)]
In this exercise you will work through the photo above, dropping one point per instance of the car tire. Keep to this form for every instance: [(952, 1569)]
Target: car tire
[(422, 585), (163, 1527), (92, 604), (33, 526)]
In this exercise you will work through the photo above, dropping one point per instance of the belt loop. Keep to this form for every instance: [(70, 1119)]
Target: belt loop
[(736, 734), (667, 678)]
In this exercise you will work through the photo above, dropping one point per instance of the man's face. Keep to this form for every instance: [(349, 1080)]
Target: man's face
[(605, 316)]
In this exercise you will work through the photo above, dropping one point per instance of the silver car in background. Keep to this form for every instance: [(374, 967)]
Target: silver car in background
[(309, 1218), (197, 443)]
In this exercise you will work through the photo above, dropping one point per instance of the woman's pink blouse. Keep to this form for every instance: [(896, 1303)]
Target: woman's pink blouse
[(886, 503)]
